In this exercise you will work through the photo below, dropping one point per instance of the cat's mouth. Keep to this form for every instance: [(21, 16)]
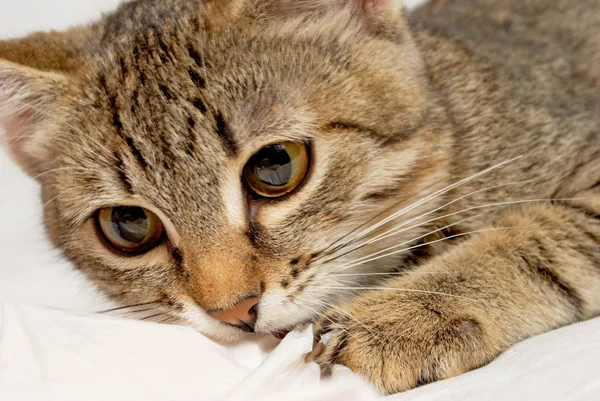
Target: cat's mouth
[(281, 334), (257, 326), (248, 327)]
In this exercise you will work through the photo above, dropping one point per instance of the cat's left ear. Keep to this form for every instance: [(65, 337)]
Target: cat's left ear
[(382, 17), (379, 14), (28, 103), (378, 17)]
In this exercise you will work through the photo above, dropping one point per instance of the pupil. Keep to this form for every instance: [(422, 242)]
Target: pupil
[(274, 166), (131, 223)]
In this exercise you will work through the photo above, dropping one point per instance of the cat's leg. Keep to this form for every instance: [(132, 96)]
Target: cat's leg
[(460, 310)]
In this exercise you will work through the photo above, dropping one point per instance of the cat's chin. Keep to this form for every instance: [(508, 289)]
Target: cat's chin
[(281, 333), (240, 336), (228, 334), (232, 335)]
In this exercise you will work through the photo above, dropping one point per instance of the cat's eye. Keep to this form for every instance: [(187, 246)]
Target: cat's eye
[(130, 229), (278, 169)]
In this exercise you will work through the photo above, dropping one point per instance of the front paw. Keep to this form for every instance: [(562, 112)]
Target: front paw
[(401, 341)]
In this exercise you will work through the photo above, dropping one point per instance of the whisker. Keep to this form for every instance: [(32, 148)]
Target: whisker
[(402, 290), (403, 243), (406, 273), (425, 200), (128, 306), (131, 313), (489, 205), (51, 200), (155, 315), (432, 242), (437, 193), (383, 235), (370, 220)]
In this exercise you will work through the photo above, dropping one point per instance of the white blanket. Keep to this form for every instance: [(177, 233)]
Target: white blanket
[(50, 354), (54, 355)]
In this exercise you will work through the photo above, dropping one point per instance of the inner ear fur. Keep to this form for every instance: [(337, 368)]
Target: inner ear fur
[(28, 102), (34, 75), (378, 17)]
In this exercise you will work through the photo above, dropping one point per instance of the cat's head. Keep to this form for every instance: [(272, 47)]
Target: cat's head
[(229, 160)]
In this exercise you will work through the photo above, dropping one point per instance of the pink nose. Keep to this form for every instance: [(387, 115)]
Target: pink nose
[(242, 313)]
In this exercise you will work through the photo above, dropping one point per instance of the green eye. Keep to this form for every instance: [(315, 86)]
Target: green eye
[(277, 170), (130, 229)]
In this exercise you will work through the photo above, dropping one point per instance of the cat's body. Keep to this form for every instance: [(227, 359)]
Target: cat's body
[(162, 105), (521, 76)]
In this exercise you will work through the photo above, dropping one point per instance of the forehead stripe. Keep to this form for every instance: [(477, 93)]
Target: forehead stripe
[(226, 136), (116, 119), (122, 173)]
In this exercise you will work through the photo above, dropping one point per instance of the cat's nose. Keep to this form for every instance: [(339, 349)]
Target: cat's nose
[(243, 315)]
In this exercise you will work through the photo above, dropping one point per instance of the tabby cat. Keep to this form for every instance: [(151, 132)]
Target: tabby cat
[(423, 186)]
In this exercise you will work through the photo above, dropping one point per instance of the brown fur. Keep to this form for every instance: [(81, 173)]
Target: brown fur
[(161, 104)]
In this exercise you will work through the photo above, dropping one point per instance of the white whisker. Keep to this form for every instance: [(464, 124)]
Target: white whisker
[(473, 208), (384, 235), (51, 200), (414, 239), (401, 289), (435, 195), (429, 243), (407, 273), (411, 207)]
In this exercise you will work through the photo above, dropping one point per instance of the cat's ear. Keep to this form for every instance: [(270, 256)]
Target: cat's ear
[(379, 17), (28, 103), (371, 10), (48, 51)]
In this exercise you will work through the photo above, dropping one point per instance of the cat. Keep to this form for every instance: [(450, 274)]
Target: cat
[(422, 186)]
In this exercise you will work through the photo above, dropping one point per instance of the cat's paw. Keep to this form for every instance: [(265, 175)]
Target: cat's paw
[(401, 341)]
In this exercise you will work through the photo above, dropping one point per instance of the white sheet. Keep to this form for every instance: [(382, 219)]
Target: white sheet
[(49, 354), (53, 355)]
